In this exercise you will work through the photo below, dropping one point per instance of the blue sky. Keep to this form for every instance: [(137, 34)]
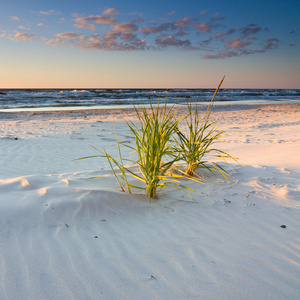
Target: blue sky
[(127, 44)]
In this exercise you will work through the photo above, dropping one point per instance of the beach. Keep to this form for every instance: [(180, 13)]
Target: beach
[(64, 236)]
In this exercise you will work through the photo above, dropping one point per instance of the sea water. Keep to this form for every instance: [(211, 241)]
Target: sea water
[(44, 99)]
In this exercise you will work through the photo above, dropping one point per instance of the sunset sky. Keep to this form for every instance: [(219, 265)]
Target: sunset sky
[(151, 44)]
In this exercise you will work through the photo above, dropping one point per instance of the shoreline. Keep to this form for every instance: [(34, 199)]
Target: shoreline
[(5, 114), (131, 106)]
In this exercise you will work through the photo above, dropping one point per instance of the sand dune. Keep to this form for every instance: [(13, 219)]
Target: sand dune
[(65, 237)]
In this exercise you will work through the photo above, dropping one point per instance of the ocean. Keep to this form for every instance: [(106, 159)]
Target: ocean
[(44, 99)]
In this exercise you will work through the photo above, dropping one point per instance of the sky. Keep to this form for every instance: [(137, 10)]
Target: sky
[(149, 44)]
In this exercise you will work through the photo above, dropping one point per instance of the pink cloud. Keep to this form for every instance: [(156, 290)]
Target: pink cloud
[(128, 37), (55, 42), (127, 27), (271, 44), (15, 18), (50, 12), (221, 54), (155, 29), (237, 43), (219, 35), (95, 39), (110, 11), (250, 30), (97, 20), (129, 43), (181, 23), (67, 35), (91, 27), (239, 46), (111, 35), (25, 36), (231, 31), (84, 19), (95, 46), (171, 41), (217, 17), (203, 27), (82, 37)]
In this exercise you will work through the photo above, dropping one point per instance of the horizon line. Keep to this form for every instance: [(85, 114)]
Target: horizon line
[(144, 88)]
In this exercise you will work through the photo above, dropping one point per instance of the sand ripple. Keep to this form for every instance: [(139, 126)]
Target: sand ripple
[(89, 243)]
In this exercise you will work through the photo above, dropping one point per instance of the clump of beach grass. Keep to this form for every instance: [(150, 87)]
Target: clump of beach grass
[(158, 144), (153, 146), (195, 142)]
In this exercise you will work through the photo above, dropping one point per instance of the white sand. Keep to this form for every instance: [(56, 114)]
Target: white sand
[(65, 237)]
